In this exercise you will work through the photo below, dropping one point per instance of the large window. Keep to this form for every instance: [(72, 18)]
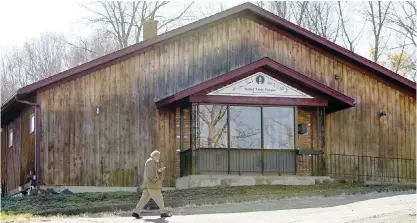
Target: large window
[(213, 126), (245, 127), (278, 128)]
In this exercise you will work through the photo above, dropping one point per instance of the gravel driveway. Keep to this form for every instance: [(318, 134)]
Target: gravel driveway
[(369, 208)]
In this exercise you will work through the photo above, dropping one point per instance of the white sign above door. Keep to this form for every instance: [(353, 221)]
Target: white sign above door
[(260, 85)]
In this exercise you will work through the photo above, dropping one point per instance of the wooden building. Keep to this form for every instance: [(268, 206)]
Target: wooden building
[(240, 92)]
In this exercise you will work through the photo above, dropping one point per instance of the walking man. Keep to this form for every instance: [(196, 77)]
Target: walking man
[(152, 185)]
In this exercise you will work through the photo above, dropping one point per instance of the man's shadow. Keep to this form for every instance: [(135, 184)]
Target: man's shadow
[(158, 220), (145, 217)]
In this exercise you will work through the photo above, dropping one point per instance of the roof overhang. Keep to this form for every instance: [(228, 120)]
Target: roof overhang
[(14, 105), (324, 96)]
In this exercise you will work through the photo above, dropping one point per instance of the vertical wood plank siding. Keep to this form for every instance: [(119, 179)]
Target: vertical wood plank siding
[(27, 144), (18, 159), (13, 160), (81, 147), (3, 154)]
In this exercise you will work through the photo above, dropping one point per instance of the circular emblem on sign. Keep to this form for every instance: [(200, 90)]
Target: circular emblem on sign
[(260, 79)]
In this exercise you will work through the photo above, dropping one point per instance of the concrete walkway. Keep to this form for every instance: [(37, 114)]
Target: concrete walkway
[(370, 208)]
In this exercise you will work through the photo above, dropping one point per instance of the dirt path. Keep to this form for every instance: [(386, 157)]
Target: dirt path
[(369, 208)]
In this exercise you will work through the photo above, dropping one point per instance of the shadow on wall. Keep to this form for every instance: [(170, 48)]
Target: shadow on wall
[(211, 63), (92, 129)]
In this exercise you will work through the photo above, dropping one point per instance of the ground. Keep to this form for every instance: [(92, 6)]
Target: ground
[(370, 208), (99, 202), (279, 199)]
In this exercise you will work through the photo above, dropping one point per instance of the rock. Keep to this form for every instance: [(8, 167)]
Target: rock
[(343, 181), (317, 181), (225, 183), (326, 181), (51, 191), (43, 192), (33, 192), (66, 191)]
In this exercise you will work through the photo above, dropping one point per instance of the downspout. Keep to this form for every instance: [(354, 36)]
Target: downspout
[(36, 176)]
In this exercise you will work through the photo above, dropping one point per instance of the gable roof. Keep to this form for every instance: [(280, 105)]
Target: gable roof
[(246, 8), (337, 100)]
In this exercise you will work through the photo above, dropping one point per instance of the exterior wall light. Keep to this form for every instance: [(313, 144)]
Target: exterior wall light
[(302, 128), (97, 109), (382, 115)]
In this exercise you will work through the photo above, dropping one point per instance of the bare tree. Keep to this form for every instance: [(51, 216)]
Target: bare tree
[(279, 8), (376, 13), (46, 55), (125, 19), (318, 17), (323, 21), (12, 73), (403, 21), (349, 38), (402, 62), (84, 49), (205, 9), (37, 59), (295, 12), (299, 11)]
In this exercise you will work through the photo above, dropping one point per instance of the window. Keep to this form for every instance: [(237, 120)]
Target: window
[(242, 127), (10, 140), (213, 126), (245, 127), (32, 123), (278, 127)]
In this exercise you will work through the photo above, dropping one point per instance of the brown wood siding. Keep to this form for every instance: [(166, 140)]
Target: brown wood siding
[(13, 154), (3, 154), (27, 145), (19, 159), (110, 148), (166, 143)]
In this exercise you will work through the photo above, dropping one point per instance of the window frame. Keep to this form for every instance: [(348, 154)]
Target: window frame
[(32, 123), (260, 123), (198, 122), (294, 120), (10, 138)]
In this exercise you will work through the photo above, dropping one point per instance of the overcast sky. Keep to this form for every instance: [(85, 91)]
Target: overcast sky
[(22, 20)]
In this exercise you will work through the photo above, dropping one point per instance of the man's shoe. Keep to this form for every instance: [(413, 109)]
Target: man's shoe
[(166, 215), (136, 215)]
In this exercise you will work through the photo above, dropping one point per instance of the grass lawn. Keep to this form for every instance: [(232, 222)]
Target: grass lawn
[(99, 202)]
